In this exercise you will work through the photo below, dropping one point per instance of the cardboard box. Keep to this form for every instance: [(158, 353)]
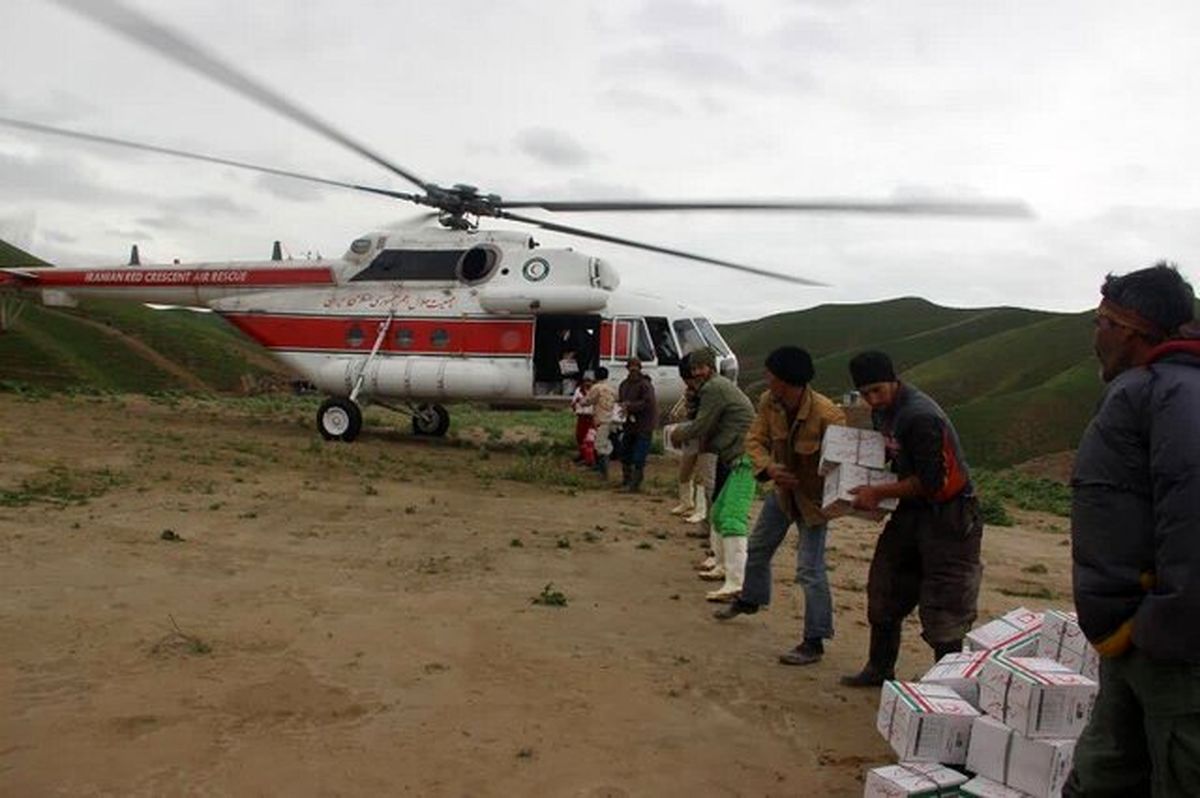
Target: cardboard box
[(837, 500), (1062, 640), (959, 672), (912, 780), (983, 787), (1037, 697), (851, 446), (925, 722), (1015, 633), (1037, 767)]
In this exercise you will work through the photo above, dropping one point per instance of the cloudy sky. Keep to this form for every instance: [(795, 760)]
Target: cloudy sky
[(1081, 108)]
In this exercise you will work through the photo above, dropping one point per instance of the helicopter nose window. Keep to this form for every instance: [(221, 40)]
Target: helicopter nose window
[(689, 337), (404, 338), (712, 337), (440, 338), (477, 264), (355, 337)]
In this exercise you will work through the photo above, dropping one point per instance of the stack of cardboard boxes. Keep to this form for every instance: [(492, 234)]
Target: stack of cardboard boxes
[(996, 721), (851, 458)]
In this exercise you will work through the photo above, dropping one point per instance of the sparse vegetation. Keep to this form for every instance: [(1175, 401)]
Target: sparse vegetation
[(61, 486), (550, 597), (1024, 491)]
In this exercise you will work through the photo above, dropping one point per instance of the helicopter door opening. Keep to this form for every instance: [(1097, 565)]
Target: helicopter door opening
[(563, 348)]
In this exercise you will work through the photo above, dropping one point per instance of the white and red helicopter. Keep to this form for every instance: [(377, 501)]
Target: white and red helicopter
[(411, 319)]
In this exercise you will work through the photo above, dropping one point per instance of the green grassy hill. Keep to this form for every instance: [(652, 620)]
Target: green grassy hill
[(1018, 383)]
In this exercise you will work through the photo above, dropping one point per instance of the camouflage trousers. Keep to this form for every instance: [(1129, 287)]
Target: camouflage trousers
[(928, 557)]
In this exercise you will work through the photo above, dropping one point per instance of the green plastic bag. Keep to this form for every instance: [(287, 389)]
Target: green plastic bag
[(730, 513)]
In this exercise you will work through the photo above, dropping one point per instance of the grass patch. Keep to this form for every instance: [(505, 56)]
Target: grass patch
[(550, 597), (61, 485), (1024, 491)]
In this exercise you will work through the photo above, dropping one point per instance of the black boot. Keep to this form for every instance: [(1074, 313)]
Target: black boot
[(625, 475), (881, 659), (635, 484), (602, 466), (942, 649)]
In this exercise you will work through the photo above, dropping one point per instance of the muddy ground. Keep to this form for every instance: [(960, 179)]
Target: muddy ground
[(358, 620)]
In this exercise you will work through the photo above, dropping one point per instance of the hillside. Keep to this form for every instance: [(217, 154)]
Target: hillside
[(1018, 383)]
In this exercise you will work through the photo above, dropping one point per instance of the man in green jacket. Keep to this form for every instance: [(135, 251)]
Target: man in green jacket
[(721, 423)]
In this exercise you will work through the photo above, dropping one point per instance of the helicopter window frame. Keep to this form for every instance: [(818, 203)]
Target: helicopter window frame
[(663, 339), (688, 343), (427, 265), (492, 256), (711, 337), (643, 344)]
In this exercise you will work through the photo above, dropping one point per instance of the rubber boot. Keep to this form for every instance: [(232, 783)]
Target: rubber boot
[(734, 547), (635, 479), (701, 511), (602, 466), (942, 649), (625, 475), (687, 502), (716, 563), (881, 658)]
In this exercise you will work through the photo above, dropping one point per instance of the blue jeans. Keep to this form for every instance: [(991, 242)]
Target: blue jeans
[(637, 448), (769, 531)]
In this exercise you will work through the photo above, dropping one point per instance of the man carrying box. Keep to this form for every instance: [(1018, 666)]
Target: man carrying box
[(784, 443), (1135, 533), (928, 552)]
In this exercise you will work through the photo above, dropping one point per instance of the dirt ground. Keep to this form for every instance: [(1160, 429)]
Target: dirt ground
[(358, 620)]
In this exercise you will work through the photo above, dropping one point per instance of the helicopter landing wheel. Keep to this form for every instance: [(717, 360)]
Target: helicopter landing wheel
[(339, 420), (430, 420)]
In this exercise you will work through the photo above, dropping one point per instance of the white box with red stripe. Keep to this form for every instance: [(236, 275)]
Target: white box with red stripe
[(1039, 698), (1016, 633), (925, 722), (912, 780)]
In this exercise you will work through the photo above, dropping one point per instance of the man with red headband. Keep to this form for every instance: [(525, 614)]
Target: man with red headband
[(1135, 530)]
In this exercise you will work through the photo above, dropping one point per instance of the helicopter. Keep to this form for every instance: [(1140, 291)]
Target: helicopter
[(413, 319)]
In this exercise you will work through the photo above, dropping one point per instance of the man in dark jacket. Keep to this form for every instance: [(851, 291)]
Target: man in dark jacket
[(1135, 530), (928, 552), (636, 398)]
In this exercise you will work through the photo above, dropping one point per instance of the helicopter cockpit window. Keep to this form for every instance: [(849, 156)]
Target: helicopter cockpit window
[(477, 264), (664, 342), (712, 337), (690, 338), (645, 344), (413, 264)]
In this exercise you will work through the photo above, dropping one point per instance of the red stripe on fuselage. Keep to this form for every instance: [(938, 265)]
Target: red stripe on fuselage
[(144, 277), (405, 336)]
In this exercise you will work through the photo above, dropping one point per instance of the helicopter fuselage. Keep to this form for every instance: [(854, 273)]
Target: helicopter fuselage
[(435, 316)]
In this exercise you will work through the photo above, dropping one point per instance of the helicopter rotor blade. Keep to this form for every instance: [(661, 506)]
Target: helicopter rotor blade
[(134, 145), (985, 208), (142, 29), (559, 228)]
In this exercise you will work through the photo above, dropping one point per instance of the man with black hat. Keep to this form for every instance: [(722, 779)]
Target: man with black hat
[(784, 445), (722, 418), (928, 552)]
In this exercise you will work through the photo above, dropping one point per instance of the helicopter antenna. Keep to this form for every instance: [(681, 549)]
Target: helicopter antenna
[(134, 258)]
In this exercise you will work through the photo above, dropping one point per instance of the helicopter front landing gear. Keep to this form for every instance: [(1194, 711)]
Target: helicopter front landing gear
[(339, 419), (430, 420)]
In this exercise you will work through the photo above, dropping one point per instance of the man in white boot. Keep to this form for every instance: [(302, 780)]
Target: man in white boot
[(722, 420), (685, 410)]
